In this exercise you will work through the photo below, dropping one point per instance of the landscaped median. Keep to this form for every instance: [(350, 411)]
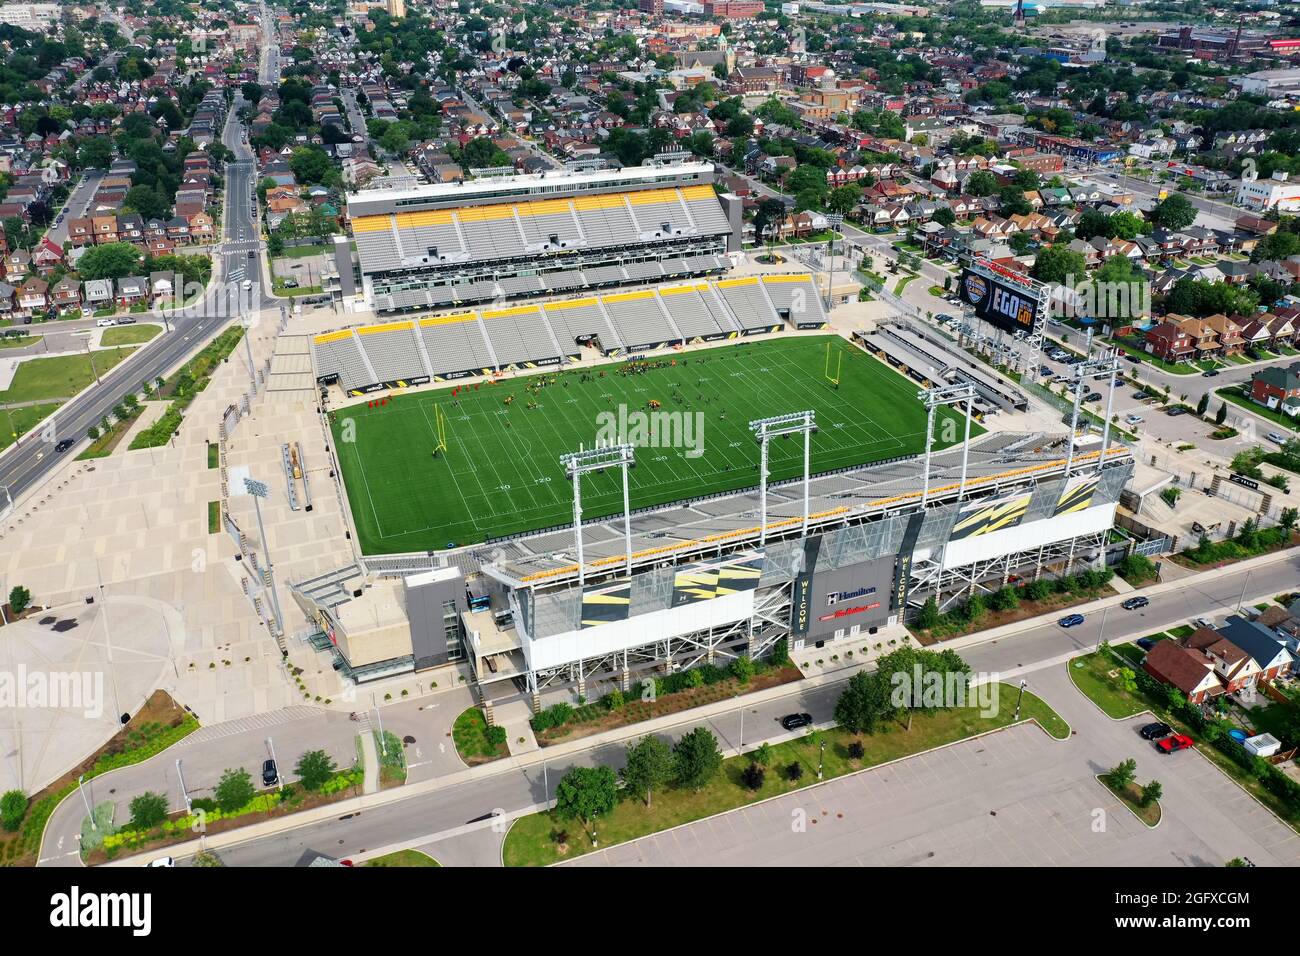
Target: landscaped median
[(545, 838), (159, 724)]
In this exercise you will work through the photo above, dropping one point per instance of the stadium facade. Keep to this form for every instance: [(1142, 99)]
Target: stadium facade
[(510, 236), (706, 583)]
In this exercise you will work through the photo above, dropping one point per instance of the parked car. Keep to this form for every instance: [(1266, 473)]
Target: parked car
[(1071, 620), (1177, 742), (1203, 622), (1046, 372), (1175, 411), (125, 320), (1276, 438), (1146, 643), (1133, 419), (1092, 397), (1156, 731), (1210, 373), (64, 445), (103, 323), (1141, 396), (944, 317), (270, 773), (795, 721), (1133, 603)]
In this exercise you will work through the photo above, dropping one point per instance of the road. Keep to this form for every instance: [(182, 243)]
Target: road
[(76, 207), (418, 818), (33, 459)]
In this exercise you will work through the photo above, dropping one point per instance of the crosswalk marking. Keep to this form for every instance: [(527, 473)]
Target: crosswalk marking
[(241, 725)]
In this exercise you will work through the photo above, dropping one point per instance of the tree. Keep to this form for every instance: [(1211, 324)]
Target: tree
[(585, 793), (1203, 404), (95, 153), (696, 759), (112, 260), (1056, 263), (1122, 774), (310, 164), (1288, 518), (928, 617), (944, 216), (146, 201), (92, 432), (752, 776), (1174, 212), (13, 807), (148, 810), (234, 790), (1151, 793), (763, 755), (649, 766), (981, 183), (314, 769), (863, 702), (19, 599), (1221, 415), (770, 212)]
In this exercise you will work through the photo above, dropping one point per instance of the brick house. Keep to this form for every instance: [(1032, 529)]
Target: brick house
[(1189, 671), (1277, 387)]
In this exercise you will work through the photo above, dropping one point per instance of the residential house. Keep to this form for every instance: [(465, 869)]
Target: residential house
[(1266, 651), (66, 295), (1189, 671), (33, 296), (1277, 387), (1228, 332), (130, 290), (1169, 342), (1234, 668), (97, 293)]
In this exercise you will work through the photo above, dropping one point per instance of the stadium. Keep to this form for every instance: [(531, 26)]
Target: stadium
[(512, 236), (507, 517)]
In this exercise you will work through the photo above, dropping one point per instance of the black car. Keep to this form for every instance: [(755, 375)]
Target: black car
[(1156, 731), (1176, 411), (1211, 373), (64, 445), (795, 721), (1133, 603), (270, 775), (1146, 643), (252, 255), (1092, 397)]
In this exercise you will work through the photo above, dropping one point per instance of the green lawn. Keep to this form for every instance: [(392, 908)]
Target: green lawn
[(60, 376), (1091, 673), (302, 252), (22, 420), (1131, 797), (129, 334), (501, 473), (404, 858), (1241, 401), (469, 733), (531, 840), (16, 341)]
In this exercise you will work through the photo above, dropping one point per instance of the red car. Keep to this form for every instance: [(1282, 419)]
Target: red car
[(1176, 742)]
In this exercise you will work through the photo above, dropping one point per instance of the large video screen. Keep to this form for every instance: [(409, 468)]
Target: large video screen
[(1003, 303)]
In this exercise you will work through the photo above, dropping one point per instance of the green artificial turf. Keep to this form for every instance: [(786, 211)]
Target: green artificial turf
[(501, 472)]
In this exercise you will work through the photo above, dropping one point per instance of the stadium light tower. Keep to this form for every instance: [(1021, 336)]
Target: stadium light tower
[(1106, 362), (933, 398), (765, 429), (580, 462)]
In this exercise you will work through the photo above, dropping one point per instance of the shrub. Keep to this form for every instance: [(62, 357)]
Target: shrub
[(614, 700), (314, 769), (148, 810), (13, 806), (856, 750), (19, 599), (496, 735), (753, 776), (742, 668), (794, 772)]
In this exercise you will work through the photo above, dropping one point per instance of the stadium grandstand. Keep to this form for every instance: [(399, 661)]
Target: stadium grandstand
[(539, 234), (701, 580), (401, 353)]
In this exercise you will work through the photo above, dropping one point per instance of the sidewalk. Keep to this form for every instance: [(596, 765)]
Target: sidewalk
[(695, 716)]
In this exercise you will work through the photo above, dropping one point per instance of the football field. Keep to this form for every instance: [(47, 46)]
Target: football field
[(688, 415)]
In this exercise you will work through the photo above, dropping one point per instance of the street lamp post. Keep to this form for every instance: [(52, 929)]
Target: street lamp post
[(258, 490), (185, 793), (81, 780), (821, 759), (1019, 697)]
